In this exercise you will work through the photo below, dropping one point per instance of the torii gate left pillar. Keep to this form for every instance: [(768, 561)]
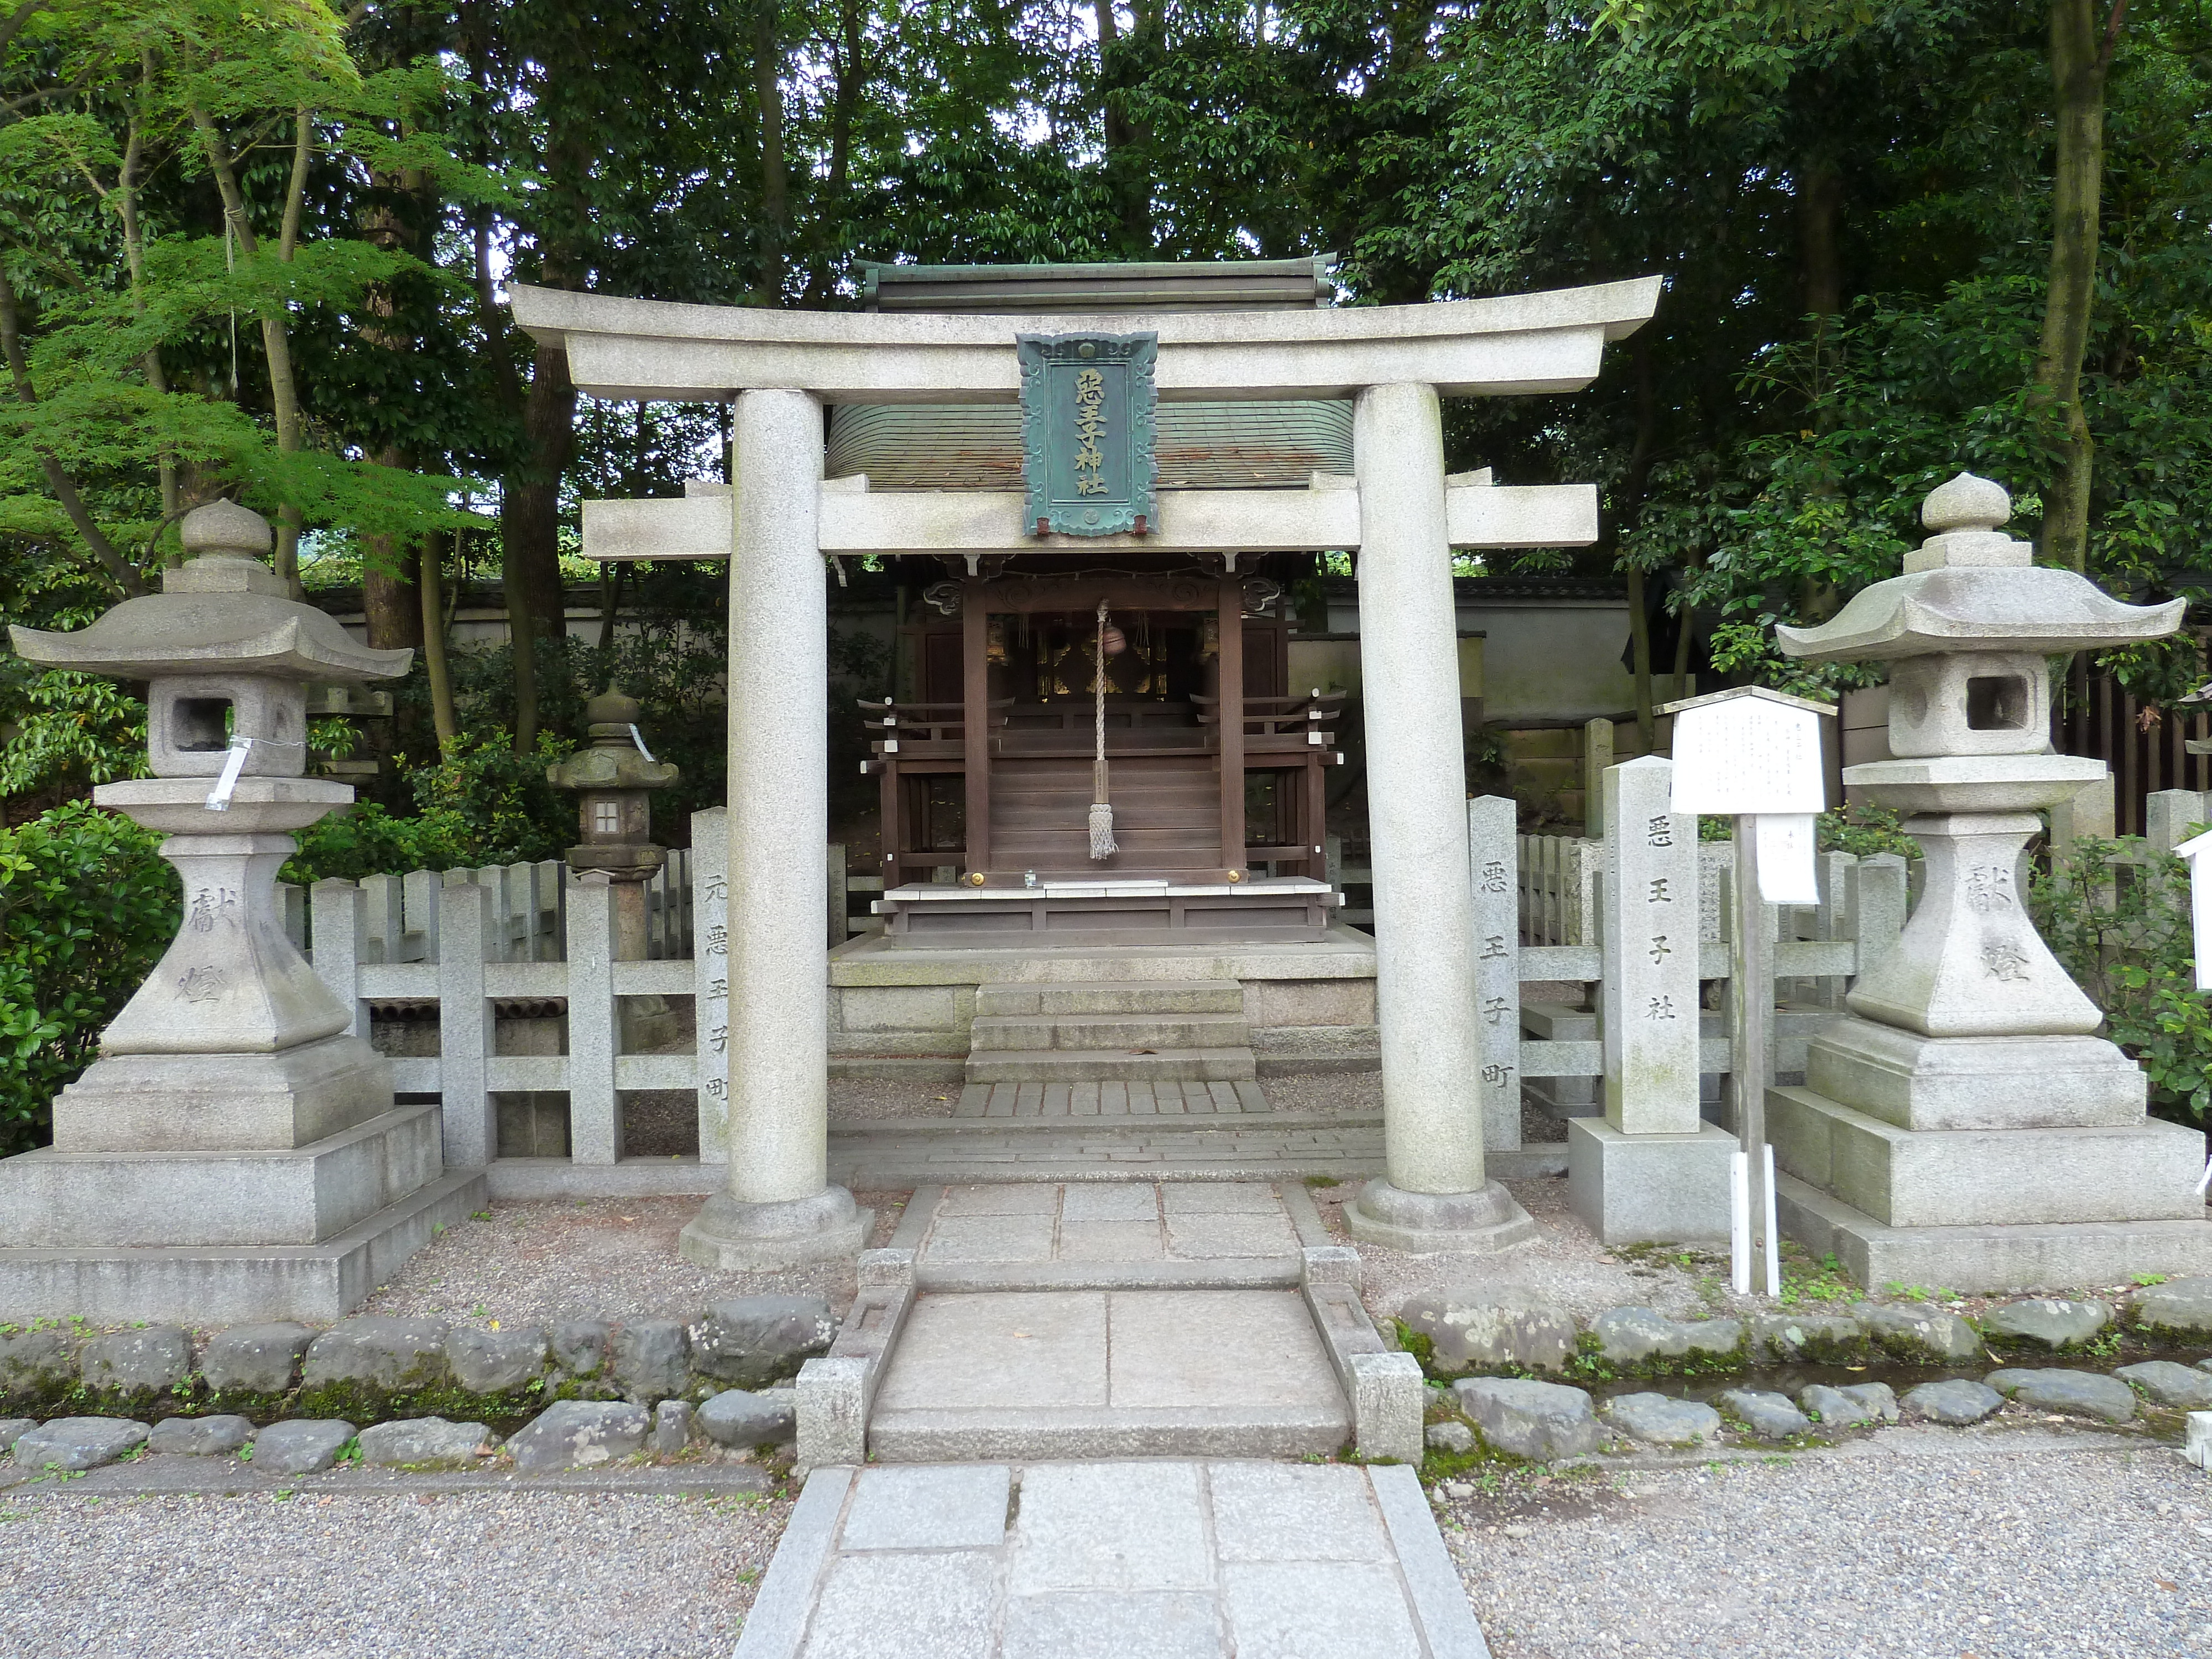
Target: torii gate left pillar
[(778, 1208)]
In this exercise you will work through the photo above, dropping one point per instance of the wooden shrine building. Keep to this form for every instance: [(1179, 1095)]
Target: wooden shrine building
[(1218, 808)]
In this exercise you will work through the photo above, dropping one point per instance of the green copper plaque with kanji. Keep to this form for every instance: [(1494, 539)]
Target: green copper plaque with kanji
[(1088, 409)]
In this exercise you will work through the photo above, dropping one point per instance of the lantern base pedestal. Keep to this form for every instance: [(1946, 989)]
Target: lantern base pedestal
[(207, 1285), (175, 1102), (2052, 1256)]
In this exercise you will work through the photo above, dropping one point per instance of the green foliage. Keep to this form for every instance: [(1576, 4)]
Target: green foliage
[(2116, 915), (86, 911), (480, 804), (1864, 830)]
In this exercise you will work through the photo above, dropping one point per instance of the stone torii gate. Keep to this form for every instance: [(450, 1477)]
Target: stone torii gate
[(1399, 511)]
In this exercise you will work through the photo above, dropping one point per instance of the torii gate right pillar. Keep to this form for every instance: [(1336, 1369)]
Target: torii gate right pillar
[(1436, 1195)]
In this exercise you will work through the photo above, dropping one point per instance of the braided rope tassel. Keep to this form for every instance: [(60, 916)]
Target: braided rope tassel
[(1102, 814)]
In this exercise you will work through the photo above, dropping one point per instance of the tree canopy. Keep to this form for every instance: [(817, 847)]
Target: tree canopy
[(254, 249)]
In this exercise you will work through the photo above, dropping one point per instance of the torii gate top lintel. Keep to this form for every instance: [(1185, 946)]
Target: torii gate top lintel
[(1509, 345)]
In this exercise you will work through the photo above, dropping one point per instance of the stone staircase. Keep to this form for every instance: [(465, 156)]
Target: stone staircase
[(1132, 1030)]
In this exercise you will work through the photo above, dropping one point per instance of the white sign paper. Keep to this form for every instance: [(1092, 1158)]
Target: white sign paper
[(2200, 903), (1748, 754), (1785, 843)]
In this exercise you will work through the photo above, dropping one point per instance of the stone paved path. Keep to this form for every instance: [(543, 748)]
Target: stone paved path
[(1123, 1319), (1109, 1099), (1150, 1560), (1033, 1223)]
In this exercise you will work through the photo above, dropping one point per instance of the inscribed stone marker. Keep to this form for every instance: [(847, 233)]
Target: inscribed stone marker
[(1649, 1006), (1491, 859)]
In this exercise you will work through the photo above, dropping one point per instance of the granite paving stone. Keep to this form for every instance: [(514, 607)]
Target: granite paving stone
[(991, 1238), (1290, 1610), (1110, 1526), (954, 1506), (1155, 1624), (1111, 1240), (1149, 1560), (1011, 1348), (1202, 1236), (1103, 1201), (937, 1606), (1285, 1511)]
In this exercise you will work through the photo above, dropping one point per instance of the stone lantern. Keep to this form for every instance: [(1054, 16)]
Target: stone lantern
[(231, 1105), (1966, 1125), (612, 779)]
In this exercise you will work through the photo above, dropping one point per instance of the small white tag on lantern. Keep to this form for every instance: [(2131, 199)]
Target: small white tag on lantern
[(635, 739), (2200, 903), (233, 763), (1785, 843)]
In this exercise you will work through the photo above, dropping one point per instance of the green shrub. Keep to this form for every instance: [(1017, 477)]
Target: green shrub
[(481, 804), (86, 911), (2116, 915)]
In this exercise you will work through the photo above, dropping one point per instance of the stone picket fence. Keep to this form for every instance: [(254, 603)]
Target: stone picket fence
[(485, 952)]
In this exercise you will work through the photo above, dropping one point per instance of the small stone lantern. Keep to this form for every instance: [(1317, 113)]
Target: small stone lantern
[(1966, 1126), (235, 1151), (612, 779)]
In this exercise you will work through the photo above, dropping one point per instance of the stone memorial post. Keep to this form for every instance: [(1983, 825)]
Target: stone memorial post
[(1490, 821), (234, 1153), (1651, 1169), (1966, 1126)]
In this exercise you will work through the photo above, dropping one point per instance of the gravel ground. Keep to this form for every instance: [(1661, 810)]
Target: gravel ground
[(609, 1259), (1923, 1543), (348, 1576)]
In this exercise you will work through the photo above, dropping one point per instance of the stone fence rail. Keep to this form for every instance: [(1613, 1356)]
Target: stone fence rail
[(475, 950)]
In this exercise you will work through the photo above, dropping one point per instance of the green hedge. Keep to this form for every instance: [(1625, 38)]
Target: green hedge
[(87, 908)]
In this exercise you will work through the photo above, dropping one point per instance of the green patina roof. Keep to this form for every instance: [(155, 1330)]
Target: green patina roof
[(1201, 446), (1198, 285), (979, 446)]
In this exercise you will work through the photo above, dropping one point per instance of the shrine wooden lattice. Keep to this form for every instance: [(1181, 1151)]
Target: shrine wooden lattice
[(1198, 799)]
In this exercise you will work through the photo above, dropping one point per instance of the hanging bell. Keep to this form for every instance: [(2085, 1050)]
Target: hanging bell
[(1112, 640)]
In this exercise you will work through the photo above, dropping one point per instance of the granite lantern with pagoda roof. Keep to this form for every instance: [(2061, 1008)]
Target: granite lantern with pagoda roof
[(1966, 1125), (235, 1151)]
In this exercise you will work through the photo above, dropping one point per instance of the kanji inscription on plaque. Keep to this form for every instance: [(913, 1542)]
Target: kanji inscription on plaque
[(1089, 406)]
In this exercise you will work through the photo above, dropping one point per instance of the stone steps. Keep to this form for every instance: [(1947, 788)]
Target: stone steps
[(1123, 1033), (1107, 1031), (1030, 1321), (1092, 1064), (1207, 996)]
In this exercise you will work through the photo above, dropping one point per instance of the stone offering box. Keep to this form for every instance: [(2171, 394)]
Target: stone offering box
[(235, 1151)]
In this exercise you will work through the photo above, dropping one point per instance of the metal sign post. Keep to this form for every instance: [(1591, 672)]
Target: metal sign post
[(1753, 755)]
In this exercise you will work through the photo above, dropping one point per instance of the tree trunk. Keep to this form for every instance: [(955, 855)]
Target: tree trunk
[(1819, 224), (852, 73), (1639, 646), (435, 668), (276, 340), (2081, 54), (775, 189)]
